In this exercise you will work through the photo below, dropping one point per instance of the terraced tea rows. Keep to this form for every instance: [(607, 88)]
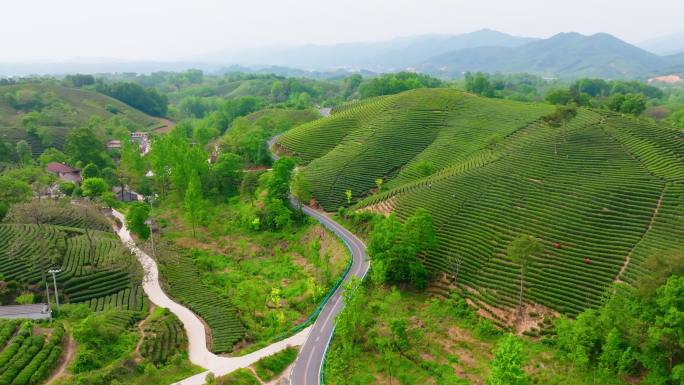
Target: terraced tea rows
[(28, 358), (164, 337), (184, 283), (59, 213), (97, 275), (399, 138), (602, 192)]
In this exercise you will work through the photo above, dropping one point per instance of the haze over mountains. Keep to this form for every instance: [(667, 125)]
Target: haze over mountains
[(564, 55)]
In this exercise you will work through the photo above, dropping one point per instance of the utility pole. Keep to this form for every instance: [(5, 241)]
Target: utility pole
[(149, 222), (47, 291), (54, 280)]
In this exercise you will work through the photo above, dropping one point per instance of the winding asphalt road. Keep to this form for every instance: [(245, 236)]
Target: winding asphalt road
[(308, 365)]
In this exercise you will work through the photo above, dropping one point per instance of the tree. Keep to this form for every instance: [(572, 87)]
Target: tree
[(13, 190), (506, 368), (630, 103), (559, 97), (666, 335), (145, 99), (348, 195), (249, 185), (279, 183), (52, 155), (94, 187), (658, 268), (194, 202), (520, 251), (227, 174), (83, 146), (136, 216), (300, 188), (378, 183), (132, 166), (90, 171), (479, 84), (24, 152)]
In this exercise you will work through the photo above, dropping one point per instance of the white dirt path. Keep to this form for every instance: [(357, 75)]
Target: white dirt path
[(194, 328)]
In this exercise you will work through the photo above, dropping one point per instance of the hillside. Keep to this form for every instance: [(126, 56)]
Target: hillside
[(58, 109), (603, 193), (566, 55), (95, 268)]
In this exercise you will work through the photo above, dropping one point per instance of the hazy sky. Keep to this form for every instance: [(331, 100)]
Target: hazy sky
[(172, 29)]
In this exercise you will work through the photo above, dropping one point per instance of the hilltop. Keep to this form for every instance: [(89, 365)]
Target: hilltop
[(602, 192), (566, 55)]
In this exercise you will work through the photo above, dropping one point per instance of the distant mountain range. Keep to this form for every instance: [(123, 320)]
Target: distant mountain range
[(665, 45), (565, 55), (391, 55)]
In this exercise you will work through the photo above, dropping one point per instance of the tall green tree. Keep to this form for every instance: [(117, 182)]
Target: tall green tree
[(136, 216), (301, 188), (279, 183), (520, 251), (24, 152), (227, 174), (132, 166), (82, 145), (94, 187), (507, 366), (194, 203)]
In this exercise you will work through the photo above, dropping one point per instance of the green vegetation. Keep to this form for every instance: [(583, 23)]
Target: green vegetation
[(601, 192), (108, 351), (42, 113), (95, 267), (146, 100), (31, 354), (395, 83), (164, 337), (271, 367), (233, 275), (385, 335), (238, 377)]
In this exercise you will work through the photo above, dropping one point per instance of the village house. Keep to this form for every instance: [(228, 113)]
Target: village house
[(113, 144), (143, 141), (64, 172), (126, 195)]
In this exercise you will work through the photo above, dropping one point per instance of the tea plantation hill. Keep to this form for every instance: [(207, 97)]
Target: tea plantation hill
[(61, 108), (602, 192), (103, 276)]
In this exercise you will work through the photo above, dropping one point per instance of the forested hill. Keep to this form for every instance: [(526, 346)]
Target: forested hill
[(602, 191), (42, 113)]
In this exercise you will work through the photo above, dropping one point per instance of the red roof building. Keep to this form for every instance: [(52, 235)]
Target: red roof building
[(64, 172)]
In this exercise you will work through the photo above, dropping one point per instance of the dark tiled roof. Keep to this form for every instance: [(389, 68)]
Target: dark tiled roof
[(59, 168)]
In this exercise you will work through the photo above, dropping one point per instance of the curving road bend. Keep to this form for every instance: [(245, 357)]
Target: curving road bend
[(194, 328), (308, 365), (309, 362)]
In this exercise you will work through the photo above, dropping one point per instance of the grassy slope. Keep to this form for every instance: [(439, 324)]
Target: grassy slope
[(80, 106), (85, 103), (445, 346), (592, 187), (241, 268)]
